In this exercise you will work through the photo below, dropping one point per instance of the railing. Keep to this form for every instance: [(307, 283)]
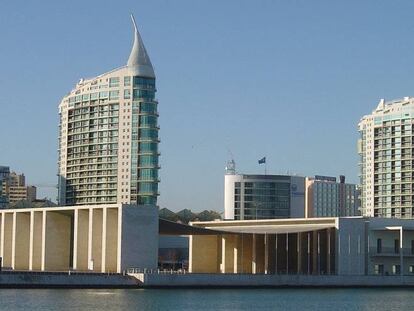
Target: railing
[(156, 271)]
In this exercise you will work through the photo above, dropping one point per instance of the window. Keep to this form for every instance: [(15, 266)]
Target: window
[(396, 269), (412, 247), (411, 269), (114, 95), (114, 82), (127, 81), (379, 246), (127, 94), (396, 246), (379, 269)]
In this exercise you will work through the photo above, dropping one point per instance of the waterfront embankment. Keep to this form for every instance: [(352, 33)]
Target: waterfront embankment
[(191, 280), (17, 279)]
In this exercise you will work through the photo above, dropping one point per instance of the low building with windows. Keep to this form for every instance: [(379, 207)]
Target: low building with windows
[(314, 246), (325, 197), (263, 196), (13, 188)]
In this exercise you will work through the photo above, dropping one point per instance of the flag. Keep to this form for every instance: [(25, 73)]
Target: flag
[(262, 160)]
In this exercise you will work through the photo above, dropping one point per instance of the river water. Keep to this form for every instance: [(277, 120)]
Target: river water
[(208, 299)]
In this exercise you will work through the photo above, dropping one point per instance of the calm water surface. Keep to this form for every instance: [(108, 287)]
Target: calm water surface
[(208, 299)]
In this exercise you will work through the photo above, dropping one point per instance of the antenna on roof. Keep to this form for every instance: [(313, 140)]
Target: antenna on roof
[(231, 164)]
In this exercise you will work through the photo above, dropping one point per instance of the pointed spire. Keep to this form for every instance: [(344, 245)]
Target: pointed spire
[(139, 61)]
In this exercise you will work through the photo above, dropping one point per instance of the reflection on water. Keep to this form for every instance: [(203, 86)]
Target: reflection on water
[(211, 299)]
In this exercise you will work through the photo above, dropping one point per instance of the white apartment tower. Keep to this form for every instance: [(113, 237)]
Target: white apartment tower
[(386, 149), (108, 136)]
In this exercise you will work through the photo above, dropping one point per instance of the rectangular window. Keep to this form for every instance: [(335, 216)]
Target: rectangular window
[(396, 246), (379, 269), (114, 95), (127, 94), (127, 81), (396, 269), (412, 247), (411, 269), (103, 94), (114, 82), (379, 246)]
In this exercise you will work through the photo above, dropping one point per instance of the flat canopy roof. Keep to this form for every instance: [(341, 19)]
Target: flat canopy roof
[(167, 227), (272, 226)]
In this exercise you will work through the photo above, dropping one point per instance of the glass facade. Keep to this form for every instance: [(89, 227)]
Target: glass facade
[(261, 200), (144, 143)]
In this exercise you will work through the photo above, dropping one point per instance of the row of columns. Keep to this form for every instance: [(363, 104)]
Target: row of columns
[(294, 253), (48, 240)]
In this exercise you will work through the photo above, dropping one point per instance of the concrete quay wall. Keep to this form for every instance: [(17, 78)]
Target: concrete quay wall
[(65, 280), (262, 280)]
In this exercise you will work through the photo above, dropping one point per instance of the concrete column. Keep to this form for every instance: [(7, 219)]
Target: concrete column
[(276, 254), (401, 252), (2, 236), (299, 251), (119, 238), (31, 240), (190, 254), (254, 254), (266, 259), (319, 253), (103, 242), (90, 227), (309, 253), (75, 239), (223, 255), (13, 258), (43, 241), (287, 253), (235, 258), (328, 259)]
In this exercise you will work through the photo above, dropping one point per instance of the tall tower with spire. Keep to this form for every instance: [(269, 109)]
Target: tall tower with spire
[(108, 136)]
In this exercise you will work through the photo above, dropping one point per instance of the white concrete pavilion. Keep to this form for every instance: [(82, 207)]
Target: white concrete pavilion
[(266, 246), (95, 238), (341, 246)]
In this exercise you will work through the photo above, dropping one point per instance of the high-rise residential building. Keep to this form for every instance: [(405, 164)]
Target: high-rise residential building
[(386, 150), (325, 197), (108, 136)]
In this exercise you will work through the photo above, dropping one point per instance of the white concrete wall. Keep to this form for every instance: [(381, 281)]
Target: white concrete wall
[(139, 239), (229, 181), (63, 238), (351, 246), (297, 197)]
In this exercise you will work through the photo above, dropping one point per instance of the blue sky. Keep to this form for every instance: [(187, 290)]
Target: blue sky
[(288, 80)]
